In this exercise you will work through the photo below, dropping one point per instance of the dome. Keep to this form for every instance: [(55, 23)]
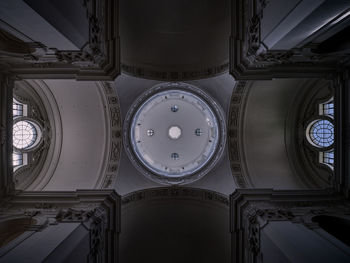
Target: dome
[(174, 133)]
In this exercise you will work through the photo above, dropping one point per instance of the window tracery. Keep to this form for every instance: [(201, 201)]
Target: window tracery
[(28, 133), (24, 135), (320, 133)]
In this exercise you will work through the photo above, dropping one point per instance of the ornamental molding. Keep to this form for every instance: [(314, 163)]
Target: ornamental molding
[(175, 192), (250, 59), (144, 72), (114, 141), (97, 60), (235, 116)]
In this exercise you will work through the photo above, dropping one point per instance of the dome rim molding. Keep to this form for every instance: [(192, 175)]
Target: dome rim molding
[(217, 154)]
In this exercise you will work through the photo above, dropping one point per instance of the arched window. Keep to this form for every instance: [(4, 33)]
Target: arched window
[(17, 159), (17, 108), (26, 134), (327, 108), (320, 133)]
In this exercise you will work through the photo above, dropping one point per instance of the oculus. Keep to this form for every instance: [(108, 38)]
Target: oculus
[(24, 134), (179, 145)]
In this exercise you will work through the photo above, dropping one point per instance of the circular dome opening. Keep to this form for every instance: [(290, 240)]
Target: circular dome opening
[(174, 132), (174, 144), (25, 134)]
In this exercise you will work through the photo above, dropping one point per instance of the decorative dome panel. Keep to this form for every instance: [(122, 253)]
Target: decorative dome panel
[(174, 133)]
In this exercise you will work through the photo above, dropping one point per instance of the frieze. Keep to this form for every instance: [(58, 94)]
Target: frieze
[(175, 192), (140, 71), (233, 133), (116, 134)]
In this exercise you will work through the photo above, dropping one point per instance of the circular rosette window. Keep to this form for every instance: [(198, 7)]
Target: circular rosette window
[(26, 134), (174, 133), (320, 133)]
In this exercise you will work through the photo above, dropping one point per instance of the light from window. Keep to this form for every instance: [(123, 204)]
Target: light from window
[(17, 109), (17, 159), (321, 133), (24, 134), (328, 109), (328, 157)]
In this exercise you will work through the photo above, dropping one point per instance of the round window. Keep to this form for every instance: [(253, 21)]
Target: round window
[(24, 134), (321, 133)]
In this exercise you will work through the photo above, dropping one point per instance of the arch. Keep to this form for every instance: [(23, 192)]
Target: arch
[(168, 223)]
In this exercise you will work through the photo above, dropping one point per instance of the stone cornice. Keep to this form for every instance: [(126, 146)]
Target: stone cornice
[(98, 60), (97, 210), (252, 209), (174, 75), (250, 59)]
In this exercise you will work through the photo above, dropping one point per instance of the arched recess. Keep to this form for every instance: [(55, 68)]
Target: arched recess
[(44, 158), (263, 133), (185, 40), (305, 156), (84, 145), (175, 224)]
